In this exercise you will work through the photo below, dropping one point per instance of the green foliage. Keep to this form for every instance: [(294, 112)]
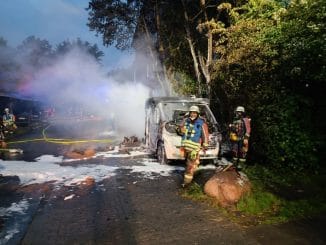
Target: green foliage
[(115, 20), (280, 197), (301, 41), (273, 63), (257, 9), (300, 209), (259, 202), (268, 207), (35, 52), (67, 46), (195, 192), (275, 197), (280, 134), (183, 84)]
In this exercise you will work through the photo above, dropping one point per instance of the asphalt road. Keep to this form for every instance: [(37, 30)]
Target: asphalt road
[(127, 207)]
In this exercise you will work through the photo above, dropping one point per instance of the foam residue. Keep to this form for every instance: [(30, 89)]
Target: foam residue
[(16, 209), (47, 168)]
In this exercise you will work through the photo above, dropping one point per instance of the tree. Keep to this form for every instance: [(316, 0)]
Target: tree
[(115, 20), (3, 42), (257, 67), (8, 65), (35, 52), (67, 46), (132, 24)]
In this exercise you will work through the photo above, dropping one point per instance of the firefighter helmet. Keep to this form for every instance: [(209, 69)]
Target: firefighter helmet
[(6, 109), (240, 109), (194, 108)]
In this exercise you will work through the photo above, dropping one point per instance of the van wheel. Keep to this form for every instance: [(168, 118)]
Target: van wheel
[(161, 155)]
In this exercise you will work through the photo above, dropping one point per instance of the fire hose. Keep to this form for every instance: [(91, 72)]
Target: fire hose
[(59, 141)]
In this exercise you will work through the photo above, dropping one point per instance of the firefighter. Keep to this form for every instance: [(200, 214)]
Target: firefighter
[(8, 121), (194, 133), (239, 136)]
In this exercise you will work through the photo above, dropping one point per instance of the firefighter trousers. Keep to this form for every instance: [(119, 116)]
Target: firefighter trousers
[(192, 162)]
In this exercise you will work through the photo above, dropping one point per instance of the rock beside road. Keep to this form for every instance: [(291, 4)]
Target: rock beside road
[(227, 187)]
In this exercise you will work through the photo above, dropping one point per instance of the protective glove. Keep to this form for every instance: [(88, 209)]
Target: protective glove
[(205, 147), (245, 145), (180, 130)]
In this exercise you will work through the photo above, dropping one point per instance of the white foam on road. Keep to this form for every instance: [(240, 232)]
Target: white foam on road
[(151, 169), (16, 209), (47, 168)]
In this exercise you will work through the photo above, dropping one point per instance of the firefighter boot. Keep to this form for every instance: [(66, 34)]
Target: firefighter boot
[(241, 164), (187, 179), (235, 161)]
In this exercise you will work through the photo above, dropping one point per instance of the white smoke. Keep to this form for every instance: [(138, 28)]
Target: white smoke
[(78, 82)]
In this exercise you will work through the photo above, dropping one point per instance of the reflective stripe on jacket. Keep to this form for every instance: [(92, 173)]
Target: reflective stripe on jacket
[(241, 126), (8, 118), (196, 133)]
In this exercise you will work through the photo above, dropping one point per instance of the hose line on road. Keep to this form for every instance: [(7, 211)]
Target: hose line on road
[(60, 141)]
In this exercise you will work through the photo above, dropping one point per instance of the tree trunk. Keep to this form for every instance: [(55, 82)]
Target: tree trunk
[(192, 48), (206, 66), (161, 49)]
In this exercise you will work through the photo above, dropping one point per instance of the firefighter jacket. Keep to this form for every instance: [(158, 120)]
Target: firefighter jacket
[(8, 119), (241, 128), (195, 134)]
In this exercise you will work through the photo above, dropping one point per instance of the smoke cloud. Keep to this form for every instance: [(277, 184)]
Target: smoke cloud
[(76, 83)]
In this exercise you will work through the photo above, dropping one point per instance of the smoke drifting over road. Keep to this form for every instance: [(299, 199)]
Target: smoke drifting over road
[(77, 84)]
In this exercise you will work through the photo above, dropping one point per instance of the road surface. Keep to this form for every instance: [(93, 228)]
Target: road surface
[(117, 196)]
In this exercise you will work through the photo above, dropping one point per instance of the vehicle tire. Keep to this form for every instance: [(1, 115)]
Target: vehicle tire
[(161, 155)]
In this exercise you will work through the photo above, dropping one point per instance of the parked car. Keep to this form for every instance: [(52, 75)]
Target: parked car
[(164, 115), (22, 119), (25, 119)]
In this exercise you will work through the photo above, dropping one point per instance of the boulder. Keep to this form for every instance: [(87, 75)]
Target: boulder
[(227, 187)]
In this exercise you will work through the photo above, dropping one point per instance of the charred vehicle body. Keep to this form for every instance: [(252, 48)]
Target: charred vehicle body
[(163, 117)]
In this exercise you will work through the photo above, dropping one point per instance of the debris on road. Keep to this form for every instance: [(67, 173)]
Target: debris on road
[(130, 144), (69, 197), (81, 154), (132, 141), (89, 181)]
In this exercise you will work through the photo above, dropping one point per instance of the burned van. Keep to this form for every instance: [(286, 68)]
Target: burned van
[(163, 117)]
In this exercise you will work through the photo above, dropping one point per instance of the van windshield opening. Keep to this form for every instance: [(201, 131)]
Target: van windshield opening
[(177, 111)]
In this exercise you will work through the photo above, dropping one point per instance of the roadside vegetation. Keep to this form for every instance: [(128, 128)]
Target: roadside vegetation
[(275, 198), (267, 55)]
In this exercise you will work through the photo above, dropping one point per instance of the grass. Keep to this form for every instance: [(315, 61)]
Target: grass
[(195, 192), (275, 198)]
